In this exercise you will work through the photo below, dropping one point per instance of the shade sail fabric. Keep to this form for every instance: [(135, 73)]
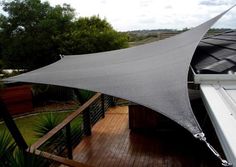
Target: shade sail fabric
[(153, 75)]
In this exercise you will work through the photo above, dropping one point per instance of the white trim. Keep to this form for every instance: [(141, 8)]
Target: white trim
[(220, 113), (213, 78)]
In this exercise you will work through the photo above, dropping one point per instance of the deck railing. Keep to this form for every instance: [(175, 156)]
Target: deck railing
[(57, 145)]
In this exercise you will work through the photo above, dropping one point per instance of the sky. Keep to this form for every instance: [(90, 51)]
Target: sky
[(126, 15)]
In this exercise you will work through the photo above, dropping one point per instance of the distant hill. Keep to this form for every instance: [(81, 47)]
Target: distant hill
[(139, 37), (151, 32)]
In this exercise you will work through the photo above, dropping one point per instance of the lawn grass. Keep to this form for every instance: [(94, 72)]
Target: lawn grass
[(26, 125)]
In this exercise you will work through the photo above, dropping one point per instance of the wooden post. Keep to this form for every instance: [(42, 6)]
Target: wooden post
[(12, 127), (69, 142), (103, 105), (87, 122)]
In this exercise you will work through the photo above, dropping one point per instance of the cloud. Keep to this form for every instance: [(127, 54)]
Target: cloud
[(150, 14), (216, 2), (168, 7), (148, 20), (103, 1), (145, 3)]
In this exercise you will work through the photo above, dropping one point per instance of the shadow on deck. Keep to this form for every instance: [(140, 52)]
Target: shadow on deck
[(113, 144)]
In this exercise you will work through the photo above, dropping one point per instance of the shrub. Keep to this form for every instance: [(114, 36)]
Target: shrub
[(11, 156), (21, 159), (46, 123), (7, 147), (57, 143)]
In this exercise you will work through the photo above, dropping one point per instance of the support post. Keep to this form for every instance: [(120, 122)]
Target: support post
[(12, 127), (103, 105), (87, 122), (69, 142)]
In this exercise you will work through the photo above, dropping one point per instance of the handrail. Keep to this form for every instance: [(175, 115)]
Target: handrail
[(59, 159), (67, 120)]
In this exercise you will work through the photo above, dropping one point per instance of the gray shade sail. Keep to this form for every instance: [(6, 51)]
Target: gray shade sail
[(153, 75)]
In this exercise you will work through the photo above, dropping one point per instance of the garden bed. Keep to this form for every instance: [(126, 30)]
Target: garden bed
[(26, 123)]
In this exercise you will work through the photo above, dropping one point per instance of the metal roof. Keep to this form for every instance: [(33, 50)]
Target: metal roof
[(216, 54)]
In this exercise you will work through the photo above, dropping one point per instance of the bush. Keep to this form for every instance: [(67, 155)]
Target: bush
[(57, 144), (46, 123), (7, 147), (11, 156), (21, 159), (45, 93), (83, 95)]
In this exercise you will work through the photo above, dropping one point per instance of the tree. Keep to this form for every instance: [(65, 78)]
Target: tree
[(28, 32), (34, 34), (90, 35)]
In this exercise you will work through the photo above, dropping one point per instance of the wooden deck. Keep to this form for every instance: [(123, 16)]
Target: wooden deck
[(113, 144)]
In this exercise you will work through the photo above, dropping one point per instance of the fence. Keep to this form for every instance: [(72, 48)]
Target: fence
[(60, 141), (18, 99)]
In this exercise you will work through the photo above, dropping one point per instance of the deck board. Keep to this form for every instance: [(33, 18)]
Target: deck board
[(113, 144)]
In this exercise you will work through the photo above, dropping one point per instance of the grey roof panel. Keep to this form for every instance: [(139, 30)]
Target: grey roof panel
[(216, 54), (222, 43), (225, 38), (232, 58), (219, 67), (201, 64), (230, 33)]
